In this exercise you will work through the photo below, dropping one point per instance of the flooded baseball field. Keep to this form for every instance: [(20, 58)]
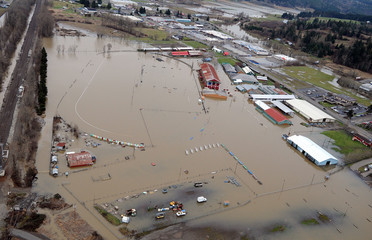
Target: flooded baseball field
[(146, 98)]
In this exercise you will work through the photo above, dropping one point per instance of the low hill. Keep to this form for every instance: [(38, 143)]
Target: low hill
[(363, 7)]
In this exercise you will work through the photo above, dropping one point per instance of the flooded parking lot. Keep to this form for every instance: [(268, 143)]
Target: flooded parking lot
[(145, 98)]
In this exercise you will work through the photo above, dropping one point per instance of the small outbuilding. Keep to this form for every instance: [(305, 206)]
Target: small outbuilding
[(61, 146), (312, 151), (79, 159)]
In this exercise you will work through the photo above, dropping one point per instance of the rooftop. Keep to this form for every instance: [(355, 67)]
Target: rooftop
[(209, 72), (311, 148), (308, 110)]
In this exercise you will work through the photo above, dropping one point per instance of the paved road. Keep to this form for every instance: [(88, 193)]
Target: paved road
[(19, 73), (19, 234)]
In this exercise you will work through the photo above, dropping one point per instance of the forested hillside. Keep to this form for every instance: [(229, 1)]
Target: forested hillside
[(363, 7), (345, 42)]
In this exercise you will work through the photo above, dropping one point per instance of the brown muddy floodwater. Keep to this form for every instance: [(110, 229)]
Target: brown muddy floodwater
[(131, 96)]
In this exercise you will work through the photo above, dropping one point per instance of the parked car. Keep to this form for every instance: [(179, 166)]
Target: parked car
[(201, 199), (181, 213), (198, 184), (160, 215)]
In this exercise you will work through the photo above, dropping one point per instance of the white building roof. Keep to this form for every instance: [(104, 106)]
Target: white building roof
[(284, 58), (262, 105), (282, 107), (220, 35), (269, 97), (309, 111), (366, 86), (247, 70), (313, 149)]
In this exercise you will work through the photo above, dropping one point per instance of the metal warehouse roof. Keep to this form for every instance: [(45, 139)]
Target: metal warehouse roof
[(309, 111), (313, 149), (247, 70), (282, 107), (277, 116), (262, 105), (244, 78), (209, 72), (79, 159), (228, 67), (269, 97)]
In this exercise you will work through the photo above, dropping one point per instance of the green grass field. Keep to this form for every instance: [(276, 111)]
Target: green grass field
[(334, 19), (327, 105), (224, 59), (195, 44), (343, 142), (269, 17), (59, 5), (154, 34), (320, 79)]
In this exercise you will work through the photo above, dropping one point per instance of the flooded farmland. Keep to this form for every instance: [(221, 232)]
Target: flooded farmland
[(145, 98)]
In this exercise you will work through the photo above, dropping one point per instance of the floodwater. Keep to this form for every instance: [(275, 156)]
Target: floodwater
[(14, 58), (132, 96), (2, 20), (236, 31), (249, 9)]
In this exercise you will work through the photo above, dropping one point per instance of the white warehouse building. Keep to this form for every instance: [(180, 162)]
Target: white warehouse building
[(312, 151)]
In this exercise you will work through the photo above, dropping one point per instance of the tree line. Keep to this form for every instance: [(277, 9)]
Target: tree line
[(94, 4), (346, 43), (42, 88), (331, 14)]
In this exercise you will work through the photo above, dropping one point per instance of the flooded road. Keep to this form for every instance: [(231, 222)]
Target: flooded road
[(144, 98)]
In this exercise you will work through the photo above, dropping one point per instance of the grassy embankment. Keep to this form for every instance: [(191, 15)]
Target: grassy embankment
[(320, 79), (353, 150), (225, 59), (268, 17), (326, 104), (334, 19), (344, 143), (108, 216)]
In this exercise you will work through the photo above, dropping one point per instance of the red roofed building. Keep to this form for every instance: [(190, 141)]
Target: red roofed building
[(61, 146), (180, 53), (79, 159), (276, 117), (209, 76), (365, 141)]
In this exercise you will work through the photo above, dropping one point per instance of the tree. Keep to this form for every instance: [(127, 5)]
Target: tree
[(109, 5), (94, 5), (189, 16), (99, 2), (86, 3), (142, 10), (369, 110), (350, 113), (208, 18), (168, 12)]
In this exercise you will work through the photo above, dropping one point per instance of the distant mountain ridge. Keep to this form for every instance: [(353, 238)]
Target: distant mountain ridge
[(363, 7)]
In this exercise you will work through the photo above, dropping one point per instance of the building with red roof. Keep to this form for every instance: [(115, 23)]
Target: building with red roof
[(276, 117), (180, 53), (209, 77), (79, 159), (61, 146)]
